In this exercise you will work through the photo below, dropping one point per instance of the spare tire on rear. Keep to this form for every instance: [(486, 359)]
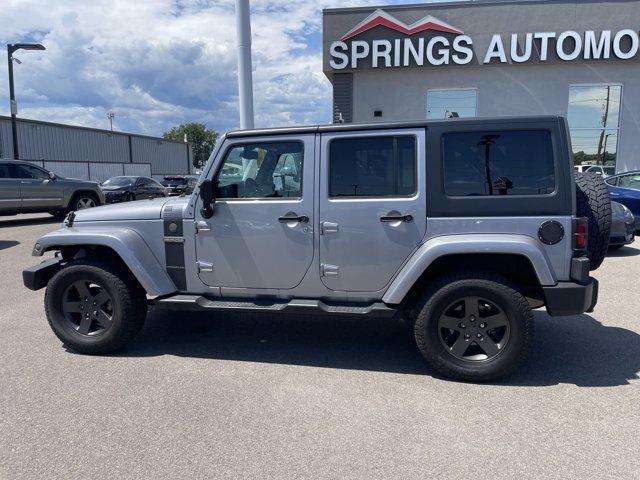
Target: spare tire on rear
[(593, 202)]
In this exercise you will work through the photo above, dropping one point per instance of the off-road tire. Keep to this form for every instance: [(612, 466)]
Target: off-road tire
[(486, 285), (594, 203), (129, 300)]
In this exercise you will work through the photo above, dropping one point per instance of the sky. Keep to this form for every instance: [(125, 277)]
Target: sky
[(158, 63)]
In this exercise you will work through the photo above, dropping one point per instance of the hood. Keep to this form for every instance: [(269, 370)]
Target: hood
[(139, 210), (113, 188)]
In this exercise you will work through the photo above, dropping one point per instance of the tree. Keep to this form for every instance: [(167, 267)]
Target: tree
[(199, 136)]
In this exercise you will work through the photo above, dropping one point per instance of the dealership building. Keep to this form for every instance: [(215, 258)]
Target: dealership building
[(94, 154), (579, 59)]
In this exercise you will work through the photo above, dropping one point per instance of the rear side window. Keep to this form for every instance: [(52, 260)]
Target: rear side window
[(372, 167), (5, 172), (509, 162)]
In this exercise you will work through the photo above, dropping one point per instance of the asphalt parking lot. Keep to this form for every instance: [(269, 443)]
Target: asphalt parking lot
[(260, 397)]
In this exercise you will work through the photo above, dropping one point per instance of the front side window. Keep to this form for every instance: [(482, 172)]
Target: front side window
[(28, 171), (498, 163), (372, 167), (262, 170), (594, 119)]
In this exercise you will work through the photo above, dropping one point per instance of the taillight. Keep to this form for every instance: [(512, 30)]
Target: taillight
[(580, 233)]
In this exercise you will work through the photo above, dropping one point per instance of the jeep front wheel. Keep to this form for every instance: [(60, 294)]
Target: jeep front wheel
[(93, 307), (474, 327)]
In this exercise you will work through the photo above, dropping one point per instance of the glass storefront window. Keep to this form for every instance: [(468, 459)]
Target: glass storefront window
[(452, 103), (594, 120)]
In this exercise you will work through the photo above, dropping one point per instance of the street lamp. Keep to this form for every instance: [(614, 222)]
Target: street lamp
[(11, 48)]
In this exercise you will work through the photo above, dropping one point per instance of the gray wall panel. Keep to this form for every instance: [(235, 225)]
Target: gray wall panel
[(69, 169), (64, 143), (164, 157), (141, 169), (102, 171)]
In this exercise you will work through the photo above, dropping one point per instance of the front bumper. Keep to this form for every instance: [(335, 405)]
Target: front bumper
[(37, 277), (571, 298)]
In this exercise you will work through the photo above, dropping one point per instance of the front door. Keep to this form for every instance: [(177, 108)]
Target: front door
[(260, 235), (38, 190), (9, 190), (372, 206)]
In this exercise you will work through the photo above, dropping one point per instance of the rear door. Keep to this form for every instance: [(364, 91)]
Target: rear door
[(9, 190), (38, 190), (372, 206)]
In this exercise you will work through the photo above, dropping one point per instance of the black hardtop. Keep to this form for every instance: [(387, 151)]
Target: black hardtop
[(349, 127)]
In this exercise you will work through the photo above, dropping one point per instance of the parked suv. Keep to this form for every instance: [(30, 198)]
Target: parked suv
[(460, 226), (27, 188)]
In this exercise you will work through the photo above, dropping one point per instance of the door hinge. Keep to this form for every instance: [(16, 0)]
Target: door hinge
[(328, 227), (205, 267), (329, 270), (203, 226)]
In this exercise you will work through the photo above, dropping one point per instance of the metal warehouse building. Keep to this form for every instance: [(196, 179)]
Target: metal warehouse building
[(88, 153), (576, 58)]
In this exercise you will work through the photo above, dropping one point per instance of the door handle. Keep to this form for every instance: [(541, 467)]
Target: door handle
[(293, 218), (396, 218), (25, 182)]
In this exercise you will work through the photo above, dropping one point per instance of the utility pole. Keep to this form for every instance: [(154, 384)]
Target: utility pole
[(11, 48), (605, 118), (245, 81), (111, 116)]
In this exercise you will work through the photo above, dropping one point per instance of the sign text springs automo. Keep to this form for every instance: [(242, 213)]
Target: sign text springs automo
[(453, 46)]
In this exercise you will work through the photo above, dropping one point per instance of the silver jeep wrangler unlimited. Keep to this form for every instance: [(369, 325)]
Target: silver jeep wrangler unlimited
[(460, 226)]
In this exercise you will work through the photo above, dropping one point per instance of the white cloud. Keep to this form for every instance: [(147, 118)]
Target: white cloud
[(157, 63)]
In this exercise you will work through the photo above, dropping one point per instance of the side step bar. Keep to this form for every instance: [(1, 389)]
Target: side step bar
[(195, 302)]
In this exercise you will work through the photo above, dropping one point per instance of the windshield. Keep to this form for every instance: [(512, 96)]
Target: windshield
[(173, 181), (119, 182)]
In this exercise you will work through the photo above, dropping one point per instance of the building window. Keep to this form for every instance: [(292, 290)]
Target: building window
[(594, 120), (507, 162), (372, 167), (452, 103)]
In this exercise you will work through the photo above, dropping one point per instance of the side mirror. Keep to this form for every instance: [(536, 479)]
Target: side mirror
[(52, 175), (208, 198)]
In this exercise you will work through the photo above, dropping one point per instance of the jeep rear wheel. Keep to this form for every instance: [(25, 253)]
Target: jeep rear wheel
[(94, 308), (473, 327), (594, 203)]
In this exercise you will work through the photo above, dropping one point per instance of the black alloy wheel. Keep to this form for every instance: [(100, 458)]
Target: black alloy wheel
[(473, 329), (88, 308), (94, 305)]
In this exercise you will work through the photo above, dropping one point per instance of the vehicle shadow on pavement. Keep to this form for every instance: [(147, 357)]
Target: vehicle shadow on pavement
[(624, 252), (575, 350), (4, 244), (23, 222)]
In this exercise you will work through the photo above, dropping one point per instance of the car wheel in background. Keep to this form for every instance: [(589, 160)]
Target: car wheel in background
[(594, 203), (93, 307), (82, 201), (130, 197)]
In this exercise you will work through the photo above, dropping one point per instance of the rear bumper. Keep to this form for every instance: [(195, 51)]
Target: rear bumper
[(37, 277), (571, 298)]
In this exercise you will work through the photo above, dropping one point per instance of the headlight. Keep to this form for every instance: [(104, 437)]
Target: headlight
[(627, 213)]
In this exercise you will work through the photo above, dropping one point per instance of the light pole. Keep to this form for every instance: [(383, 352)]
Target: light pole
[(11, 48), (245, 82), (110, 116)]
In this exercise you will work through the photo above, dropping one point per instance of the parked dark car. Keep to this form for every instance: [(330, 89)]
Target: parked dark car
[(180, 184), (622, 226), (127, 189), (625, 189)]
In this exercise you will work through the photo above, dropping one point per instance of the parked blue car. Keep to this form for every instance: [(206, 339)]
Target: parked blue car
[(625, 189)]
